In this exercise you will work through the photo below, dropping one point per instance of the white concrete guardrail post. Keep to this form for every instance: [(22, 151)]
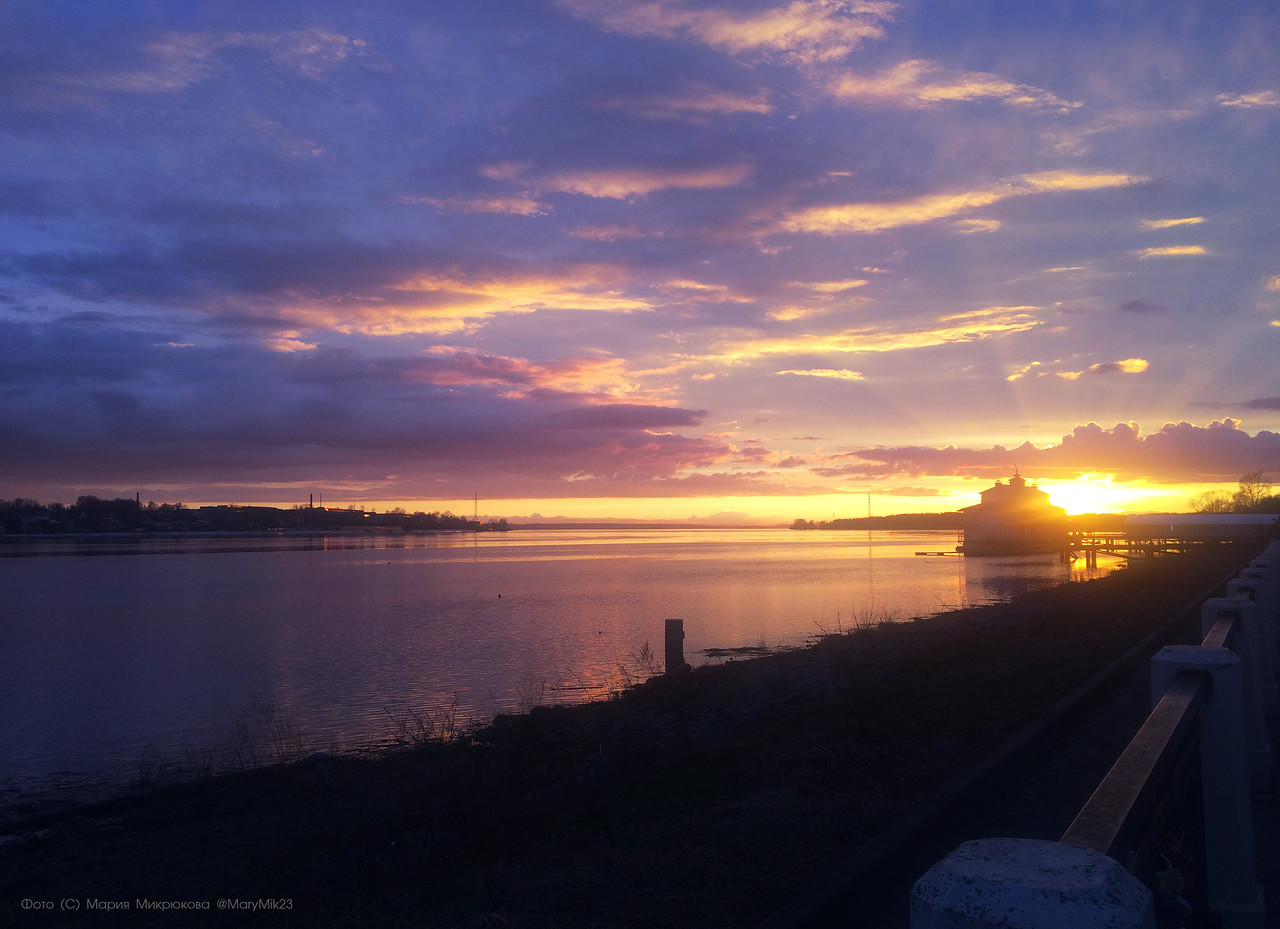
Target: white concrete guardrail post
[(1269, 563), (1266, 567), (1256, 589), (1230, 860), (1270, 566), (1268, 581), (1255, 668), (1029, 884)]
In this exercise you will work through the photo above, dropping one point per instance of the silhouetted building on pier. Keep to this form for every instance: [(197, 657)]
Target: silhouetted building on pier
[(1013, 519)]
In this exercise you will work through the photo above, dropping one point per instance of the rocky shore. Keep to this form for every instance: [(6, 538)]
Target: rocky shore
[(715, 797)]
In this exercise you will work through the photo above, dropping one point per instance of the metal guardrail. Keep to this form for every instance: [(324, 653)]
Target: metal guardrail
[(1121, 820), (1204, 744)]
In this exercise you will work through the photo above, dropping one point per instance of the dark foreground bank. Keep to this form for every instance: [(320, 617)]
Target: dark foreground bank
[(714, 798)]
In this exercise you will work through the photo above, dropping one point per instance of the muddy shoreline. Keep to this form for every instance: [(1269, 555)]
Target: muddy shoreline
[(716, 797)]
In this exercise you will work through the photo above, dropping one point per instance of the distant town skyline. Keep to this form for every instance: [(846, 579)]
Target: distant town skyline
[(654, 259)]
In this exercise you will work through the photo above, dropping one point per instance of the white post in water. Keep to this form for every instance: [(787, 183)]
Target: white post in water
[(1255, 669), (1029, 884), (675, 646), (1230, 861)]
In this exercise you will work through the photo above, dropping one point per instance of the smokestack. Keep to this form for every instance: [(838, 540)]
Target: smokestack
[(311, 501)]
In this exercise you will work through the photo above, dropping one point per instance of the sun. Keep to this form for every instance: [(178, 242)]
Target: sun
[(1094, 493)]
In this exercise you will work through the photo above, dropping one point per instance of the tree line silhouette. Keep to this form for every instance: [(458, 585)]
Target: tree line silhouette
[(1252, 496), (94, 514)]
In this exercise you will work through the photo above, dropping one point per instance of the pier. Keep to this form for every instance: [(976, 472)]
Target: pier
[(1088, 545)]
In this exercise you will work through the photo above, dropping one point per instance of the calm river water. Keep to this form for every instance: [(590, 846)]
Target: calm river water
[(119, 654)]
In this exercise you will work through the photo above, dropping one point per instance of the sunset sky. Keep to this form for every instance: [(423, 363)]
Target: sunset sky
[(639, 258)]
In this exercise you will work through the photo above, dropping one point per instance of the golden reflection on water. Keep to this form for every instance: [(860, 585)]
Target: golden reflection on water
[(157, 641)]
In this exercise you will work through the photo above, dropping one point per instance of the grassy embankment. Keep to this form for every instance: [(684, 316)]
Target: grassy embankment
[(709, 798)]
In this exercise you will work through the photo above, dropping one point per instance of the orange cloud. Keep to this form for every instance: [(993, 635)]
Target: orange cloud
[(834, 287), (456, 366), (805, 30), (1170, 223), (819, 297), (962, 327), (701, 292), (1038, 368), (921, 84), (289, 342), (878, 217), (1127, 366), (841, 374), (1023, 371), (1172, 251), (504, 170), (515, 206), (969, 226), (440, 304), (623, 183), (1249, 101)]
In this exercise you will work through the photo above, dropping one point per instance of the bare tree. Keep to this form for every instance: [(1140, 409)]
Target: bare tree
[(1254, 489), (1212, 501)]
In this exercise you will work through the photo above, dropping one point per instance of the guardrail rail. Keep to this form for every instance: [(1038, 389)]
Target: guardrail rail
[(1190, 770)]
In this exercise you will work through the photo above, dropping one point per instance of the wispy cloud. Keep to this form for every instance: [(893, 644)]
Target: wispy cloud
[(1142, 307), (1252, 101), (958, 328), (804, 30), (611, 183), (456, 366), (610, 233), (1127, 366), (835, 287), (921, 84), (695, 104), (700, 291), (175, 61), (1053, 369), (839, 374), (441, 304), (880, 216), (1170, 223), (1172, 251), (512, 206), (968, 226), (624, 183)]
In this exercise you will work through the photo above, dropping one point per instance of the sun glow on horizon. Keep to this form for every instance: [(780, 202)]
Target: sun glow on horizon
[(1101, 493), (1088, 493)]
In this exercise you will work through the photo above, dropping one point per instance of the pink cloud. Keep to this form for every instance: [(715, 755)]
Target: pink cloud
[(1178, 452)]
